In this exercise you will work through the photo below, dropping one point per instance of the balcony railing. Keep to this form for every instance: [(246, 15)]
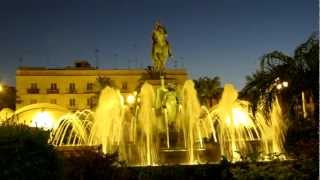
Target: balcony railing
[(72, 108), (72, 91), (52, 91), (18, 100), (33, 91)]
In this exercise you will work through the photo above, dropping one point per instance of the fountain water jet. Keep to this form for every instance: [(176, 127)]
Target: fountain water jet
[(144, 135), (239, 131)]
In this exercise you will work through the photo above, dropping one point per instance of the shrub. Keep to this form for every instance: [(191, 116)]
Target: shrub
[(88, 164), (25, 154), (302, 169)]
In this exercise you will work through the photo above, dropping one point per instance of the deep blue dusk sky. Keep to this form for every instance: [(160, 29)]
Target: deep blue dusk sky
[(209, 37)]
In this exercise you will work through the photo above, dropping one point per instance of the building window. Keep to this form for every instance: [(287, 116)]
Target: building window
[(124, 85), (91, 102), (53, 89), (34, 86), (72, 102), (33, 89), (88, 101), (53, 101), (89, 86), (53, 86), (72, 87), (33, 101)]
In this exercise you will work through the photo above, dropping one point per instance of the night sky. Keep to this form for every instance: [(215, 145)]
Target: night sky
[(222, 38)]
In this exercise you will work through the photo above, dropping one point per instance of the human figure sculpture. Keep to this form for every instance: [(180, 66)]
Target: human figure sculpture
[(170, 102), (160, 48)]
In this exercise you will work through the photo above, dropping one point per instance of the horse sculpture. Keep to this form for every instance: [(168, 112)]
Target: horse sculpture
[(160, 48)]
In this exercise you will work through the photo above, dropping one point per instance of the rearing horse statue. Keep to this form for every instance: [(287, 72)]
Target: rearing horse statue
[(160, 48)]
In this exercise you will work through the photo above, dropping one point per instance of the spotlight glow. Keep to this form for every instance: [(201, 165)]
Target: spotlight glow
[(279, 86), (241, 118), (285, 84), (43, 120), (130, 99)]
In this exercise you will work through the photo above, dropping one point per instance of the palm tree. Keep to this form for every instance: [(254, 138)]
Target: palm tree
[(208, 89), (8, 97), (300, 71)]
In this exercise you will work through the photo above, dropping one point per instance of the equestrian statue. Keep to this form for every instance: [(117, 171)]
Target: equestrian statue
[(160, 48)]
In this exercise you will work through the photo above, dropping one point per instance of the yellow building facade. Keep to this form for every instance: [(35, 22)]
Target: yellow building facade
[(76, 88)]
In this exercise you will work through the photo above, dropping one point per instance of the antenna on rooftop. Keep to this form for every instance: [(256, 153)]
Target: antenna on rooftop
[(129, 64), (20, 61), (96, 55), (182, 62), (175, 65)]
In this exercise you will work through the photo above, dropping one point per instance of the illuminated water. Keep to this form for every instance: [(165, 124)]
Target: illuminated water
[(146, 133)]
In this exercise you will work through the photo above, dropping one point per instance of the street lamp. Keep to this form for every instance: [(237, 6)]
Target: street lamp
[(285, 84), (280, 84), (131, 99)]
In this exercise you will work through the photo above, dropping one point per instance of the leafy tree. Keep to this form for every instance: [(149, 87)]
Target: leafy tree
[(100, 84), (7, 97), (300, 71), (104, 81), (208, 89), (26, 154)]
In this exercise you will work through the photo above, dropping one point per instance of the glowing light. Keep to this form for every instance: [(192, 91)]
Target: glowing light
[(1, 88), (131, 99), (285, 84), (228, 121), (43, 120), (241, 118), (279, 86), (135, 93)]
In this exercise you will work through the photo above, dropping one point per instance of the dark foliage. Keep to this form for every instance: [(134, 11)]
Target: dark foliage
[(8, 97), (302, 140), (25, 154), (301, 71), (302, 169), (104, 81), (93, 165), (208, 89)]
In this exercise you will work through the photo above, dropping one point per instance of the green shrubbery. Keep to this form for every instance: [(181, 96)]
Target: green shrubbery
[(93, 165), (25, 154), (302, 169)]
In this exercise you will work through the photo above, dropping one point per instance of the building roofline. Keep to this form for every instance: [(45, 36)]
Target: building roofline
[(42, 71)]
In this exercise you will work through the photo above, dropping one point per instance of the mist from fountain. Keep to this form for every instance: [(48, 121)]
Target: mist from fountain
[(142, 134), (241, 133)]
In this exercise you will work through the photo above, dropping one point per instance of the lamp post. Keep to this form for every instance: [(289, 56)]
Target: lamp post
[(278, 84), (303, 105)]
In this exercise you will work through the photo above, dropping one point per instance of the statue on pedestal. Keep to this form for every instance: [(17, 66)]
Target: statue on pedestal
[(160, 48)]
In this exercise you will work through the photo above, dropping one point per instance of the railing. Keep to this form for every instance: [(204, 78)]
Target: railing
[(90, 91), (33, 91), (72, 91), (72, 107), (52, 91)]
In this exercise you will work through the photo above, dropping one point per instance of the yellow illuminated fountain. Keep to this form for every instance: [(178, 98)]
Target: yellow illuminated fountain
[(240, 132), (163, 124), (144, 137)]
